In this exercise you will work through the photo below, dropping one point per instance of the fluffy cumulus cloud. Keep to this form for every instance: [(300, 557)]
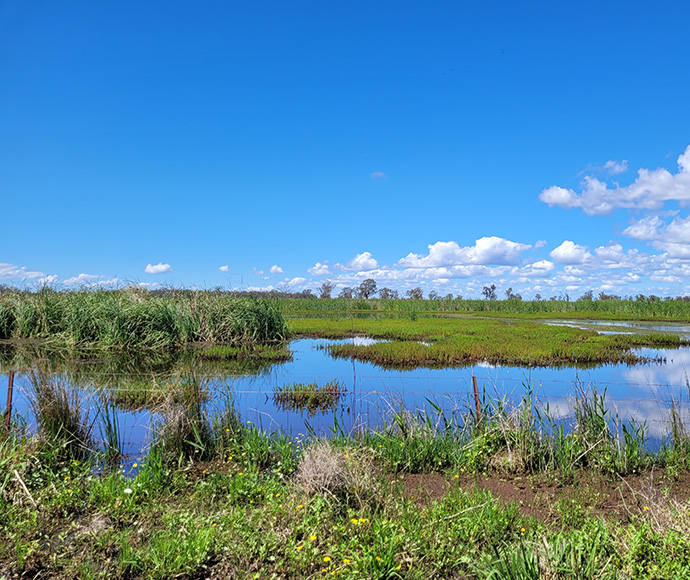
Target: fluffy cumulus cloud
[(378, 175), (12, 272), (361, 262), (486, 251), (649, 191), (672, 238), (540, 269), (159, 268), (225, 268), (275, 269), (570, 253), (319, 269)]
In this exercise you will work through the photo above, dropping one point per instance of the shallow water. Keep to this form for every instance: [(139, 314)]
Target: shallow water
[(639, 393)]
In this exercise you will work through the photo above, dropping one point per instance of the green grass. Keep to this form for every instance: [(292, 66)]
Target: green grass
[(460, 342), (667, 309), (135, 319), (216, 496), (308, 396)]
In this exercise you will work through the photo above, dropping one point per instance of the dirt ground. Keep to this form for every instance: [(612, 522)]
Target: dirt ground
[(542, 497)]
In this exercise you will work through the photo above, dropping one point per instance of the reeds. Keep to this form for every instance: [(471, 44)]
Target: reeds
[(308, 396), (62, 421), (133, 318)]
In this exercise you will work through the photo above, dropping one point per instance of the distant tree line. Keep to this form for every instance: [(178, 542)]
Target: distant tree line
[(366, 290)]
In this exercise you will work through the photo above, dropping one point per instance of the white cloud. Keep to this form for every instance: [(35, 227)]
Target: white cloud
[(616, 167), (361, 262), (649, 191), (378, 175), (258, 272), (487, 250), (275, 269), (81, 279), (225, 268), (540, 269), (570, 253), (319, 269), (48, 280), (12, 272), (159, 268)]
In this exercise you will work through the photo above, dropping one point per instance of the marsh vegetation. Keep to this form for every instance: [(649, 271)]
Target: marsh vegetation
[(516, 491)]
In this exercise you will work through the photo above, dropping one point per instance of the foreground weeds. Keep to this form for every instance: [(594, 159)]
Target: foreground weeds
[(430, 495)]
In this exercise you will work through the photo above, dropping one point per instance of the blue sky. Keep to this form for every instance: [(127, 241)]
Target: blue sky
[(540, 146)]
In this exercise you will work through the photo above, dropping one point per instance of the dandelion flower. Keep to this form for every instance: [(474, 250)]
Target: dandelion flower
[(522, 530), (213, 525), (277, 495), (645, 507), (69, 491), (457, 477), (134, 464), (300, 506), (240, 473), (346, 560), (326, 558), (300, 547), (378, 558), (127, 490), (354, 521), (312, 538)]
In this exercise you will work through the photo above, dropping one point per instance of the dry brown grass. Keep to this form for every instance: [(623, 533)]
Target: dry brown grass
[(336, 473)]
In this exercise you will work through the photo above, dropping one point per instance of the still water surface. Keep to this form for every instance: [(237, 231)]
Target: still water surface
[(639, 393)]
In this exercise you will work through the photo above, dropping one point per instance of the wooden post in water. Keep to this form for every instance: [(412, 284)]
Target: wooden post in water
[(8, 408), (476, 403)]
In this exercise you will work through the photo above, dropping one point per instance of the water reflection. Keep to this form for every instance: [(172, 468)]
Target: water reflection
[(370, 393)]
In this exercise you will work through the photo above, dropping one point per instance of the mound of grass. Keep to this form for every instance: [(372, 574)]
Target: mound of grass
[(456, 342), (308, 396)]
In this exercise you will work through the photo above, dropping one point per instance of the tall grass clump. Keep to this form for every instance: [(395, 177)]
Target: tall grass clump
[(135, 318), (62, 422), (183, 430), (423, 441), (308, 396), (110, 430)]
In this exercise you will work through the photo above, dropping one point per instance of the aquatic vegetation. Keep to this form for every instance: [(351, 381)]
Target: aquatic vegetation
[(308, 396), (453, 342)]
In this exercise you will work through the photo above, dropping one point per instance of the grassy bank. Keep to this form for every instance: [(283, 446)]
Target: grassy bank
[(135, 319), (432, 495), (668, 310), (456, 342)]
